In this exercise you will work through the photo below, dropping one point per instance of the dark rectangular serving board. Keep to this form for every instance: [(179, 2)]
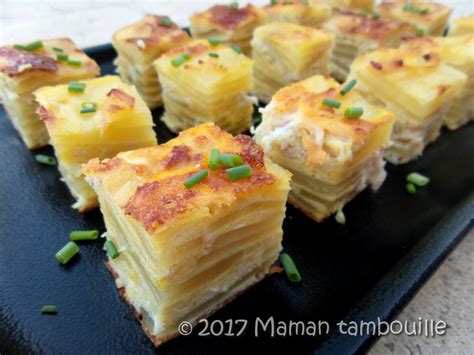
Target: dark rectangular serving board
[(362, 270)]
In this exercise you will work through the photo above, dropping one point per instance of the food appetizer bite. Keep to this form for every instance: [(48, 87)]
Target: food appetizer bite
[(429, 18), (228, 24), (205, 81), (302, 12), (330, 139), (284, 53), (138, 46), (417, 87), (357, 33), (92, 118), (191, 224), (362, 5), (457, 52), (462, 26), (27, 67)]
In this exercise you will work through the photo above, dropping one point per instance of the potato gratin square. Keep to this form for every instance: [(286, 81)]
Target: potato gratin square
[(25, 68), (138, 45), (457, 51), (330, 139), (417, 86), (285, 53), (93, 118), (185, 250), (301, 12), (359, 33), (228, 24), (429, 18), (205, 81)]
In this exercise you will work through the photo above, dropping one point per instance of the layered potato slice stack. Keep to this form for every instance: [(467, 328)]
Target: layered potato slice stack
[(357, 33), (121, 121), (301, 12), (138, 46), (187, 251), (230, 25), (457, 52), (24, 71), (285, 53), (417, 86), (429, 18), (332, 157), (462, 26), (203, 82)]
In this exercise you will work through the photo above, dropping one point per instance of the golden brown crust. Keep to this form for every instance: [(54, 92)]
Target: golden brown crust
[(158, 341), (15, 60), (349, 23), (150, 31), (119, 100), (160, 196), (229, 18)]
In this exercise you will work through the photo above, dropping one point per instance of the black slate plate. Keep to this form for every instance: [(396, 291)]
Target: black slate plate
[(365, 269)]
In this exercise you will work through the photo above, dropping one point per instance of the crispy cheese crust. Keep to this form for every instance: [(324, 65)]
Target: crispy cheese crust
[(364, 5), (193, 92), (300, 12), (22, 72), (432, 20), (121, 122), (462, 26), (332, 157), (285, 53), (138, 45), (228, 24), (356, 34), (414, 84), (185, 252)]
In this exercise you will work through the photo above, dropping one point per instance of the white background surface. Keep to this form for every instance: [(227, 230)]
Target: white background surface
[(92, 22)]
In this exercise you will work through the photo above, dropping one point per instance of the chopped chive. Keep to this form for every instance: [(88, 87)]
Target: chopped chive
[(57, 49), (273, 2), (62, 57), (446, 31), (423, 11), (214, 159), (196, 178), (353, 112), (88, 107), (239, 172), (418, 179), (180, 59), (305, 2), (419, 32), (76, 63), (29, 47), (213, 41), (376, 15), (290, 268), (67, 252), (409, 7), (236, 48), (49, 309), (213, 55), (111, 249), (411, 188), (331, 103), (230, 160), (84, 235), (45, 159), (348, 87), (76, 87), (234, 4), (166, 22)]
